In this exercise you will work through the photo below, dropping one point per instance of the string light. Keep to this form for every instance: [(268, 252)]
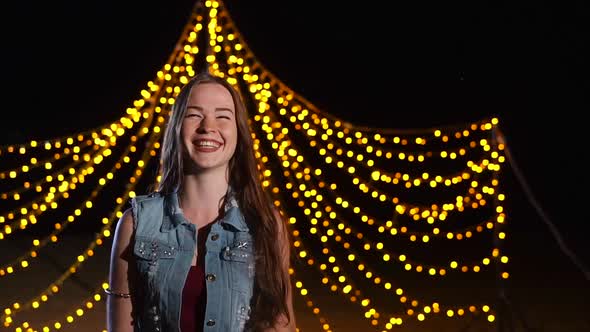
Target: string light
[(307, 158), (23, 261), (35, 303), (265, 128), (55, 286)]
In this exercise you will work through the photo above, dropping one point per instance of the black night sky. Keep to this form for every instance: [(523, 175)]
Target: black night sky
[(74, 65)]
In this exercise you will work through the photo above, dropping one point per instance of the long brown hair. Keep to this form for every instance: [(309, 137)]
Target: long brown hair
[(271, 278)]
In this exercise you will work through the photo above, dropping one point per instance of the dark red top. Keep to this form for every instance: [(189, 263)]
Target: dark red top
[(194, 293)]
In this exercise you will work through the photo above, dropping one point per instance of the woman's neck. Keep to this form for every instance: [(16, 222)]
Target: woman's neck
[(201, 196)]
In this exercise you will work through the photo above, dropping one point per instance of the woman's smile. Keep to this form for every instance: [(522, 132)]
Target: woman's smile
[(205, 145)]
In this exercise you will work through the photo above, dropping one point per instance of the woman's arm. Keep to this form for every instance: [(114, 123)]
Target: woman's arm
[(121, 275), (285, 248)]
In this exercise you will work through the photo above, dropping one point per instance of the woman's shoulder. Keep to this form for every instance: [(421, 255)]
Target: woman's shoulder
[(125, 226), (147, 196), (129, 215)]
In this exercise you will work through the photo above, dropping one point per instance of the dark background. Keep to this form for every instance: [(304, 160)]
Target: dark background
[(69, 66)]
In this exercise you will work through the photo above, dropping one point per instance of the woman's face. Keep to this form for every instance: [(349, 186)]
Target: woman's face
[(209, 129)]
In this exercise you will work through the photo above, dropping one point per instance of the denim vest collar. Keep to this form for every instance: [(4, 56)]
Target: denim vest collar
[(174, 217)]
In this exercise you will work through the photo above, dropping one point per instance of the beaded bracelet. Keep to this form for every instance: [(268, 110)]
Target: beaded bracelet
[(110, 292)]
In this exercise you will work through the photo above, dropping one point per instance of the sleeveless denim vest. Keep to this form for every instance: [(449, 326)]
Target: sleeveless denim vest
[(164, 247)]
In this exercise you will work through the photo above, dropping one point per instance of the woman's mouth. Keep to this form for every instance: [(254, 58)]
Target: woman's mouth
[(206, 145)]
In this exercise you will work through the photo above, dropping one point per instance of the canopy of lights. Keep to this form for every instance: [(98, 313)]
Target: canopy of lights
[(376, 215)]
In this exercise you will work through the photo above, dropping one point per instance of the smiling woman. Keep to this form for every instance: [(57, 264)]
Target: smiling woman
[(207, 250), (209, 129)]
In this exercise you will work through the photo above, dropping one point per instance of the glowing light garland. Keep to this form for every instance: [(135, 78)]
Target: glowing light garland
[(325, 174)]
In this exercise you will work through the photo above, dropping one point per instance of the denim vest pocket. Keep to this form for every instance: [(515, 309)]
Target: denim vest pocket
[(153, 259), (153, 250), (239, 256)]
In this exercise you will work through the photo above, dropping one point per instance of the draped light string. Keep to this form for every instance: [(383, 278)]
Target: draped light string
[(246, 55), (297, 282), (375, 194), (403, 258), (350, 232), (89, 252), (398, 177), (379, 174), (387, 256), (35, 163), (59, 175), (57, 143), (105, 232), (333, 266), (416, 211), (390, 228), (129, 193), (77, 157), (302, 291), (49, 144), (82, 258), (499, 232), (347, 247), (371, 312), (407, 138), (345, 204), (365, 187), (30, 211), (291, 126), (330, 231), (404, 179), (300, 112), (446, 135), (128, 121), (50, 200), (125, 158), (445, 138), (394, 231), (379, 134), (450, 312), (86, 305), (305, 255)]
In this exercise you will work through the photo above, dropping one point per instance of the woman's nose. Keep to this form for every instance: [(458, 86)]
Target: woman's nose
[(206, 125)]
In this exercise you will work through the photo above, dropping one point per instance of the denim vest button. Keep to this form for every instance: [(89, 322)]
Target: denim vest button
[(211, 277), (210, 322), (214, 237)]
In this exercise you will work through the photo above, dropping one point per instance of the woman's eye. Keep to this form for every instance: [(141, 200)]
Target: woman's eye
[(223, 117)]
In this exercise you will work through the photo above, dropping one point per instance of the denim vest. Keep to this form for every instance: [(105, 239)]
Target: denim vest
[(163, 249)]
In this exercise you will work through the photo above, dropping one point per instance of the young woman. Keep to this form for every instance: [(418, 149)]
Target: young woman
[(207, 251)]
